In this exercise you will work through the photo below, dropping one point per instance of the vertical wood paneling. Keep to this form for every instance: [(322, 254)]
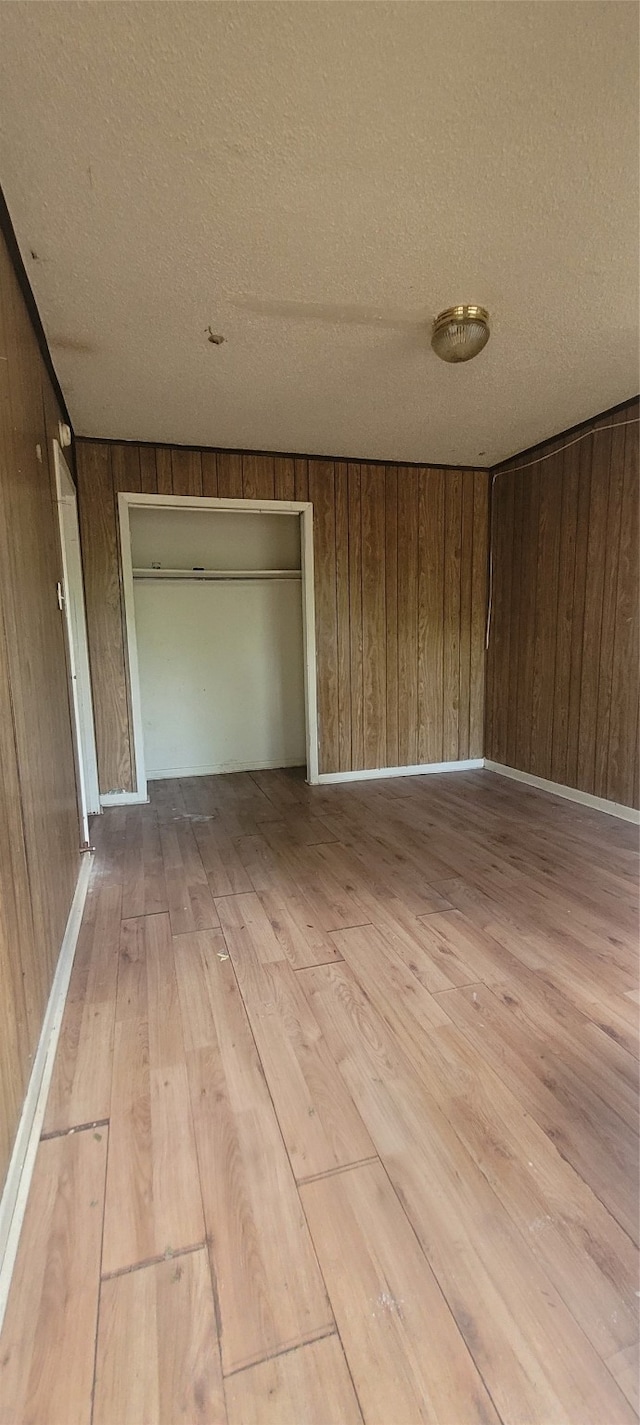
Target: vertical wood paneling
[(322, 493), (566, 579), (592, 625), (585, 453), (451, 610), (526, 626), (400, 571), (284, 478), (372, 515), (100, 558), (164, 475), (229, 475), (612, 553), (343, 615), (209, 474), (466, 565), (478, 613), (502, 522), (563, 661), (391, 610), (430, 615), (546, 614), (125, 466), (186, 472), (623, 725), (355, 618), (258, 477), (510, 669), (19, 999), (407, 617), (39, 833), (148, 476), (301, 479)]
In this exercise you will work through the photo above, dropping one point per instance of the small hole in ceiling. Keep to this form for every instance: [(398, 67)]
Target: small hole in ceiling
[(214, 337)]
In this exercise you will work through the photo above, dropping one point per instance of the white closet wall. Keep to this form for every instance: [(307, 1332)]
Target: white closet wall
[(220, 661)]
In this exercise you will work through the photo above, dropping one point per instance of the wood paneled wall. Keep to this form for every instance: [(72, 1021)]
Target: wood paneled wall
[(562, 675), (39, 835), (401, 568)]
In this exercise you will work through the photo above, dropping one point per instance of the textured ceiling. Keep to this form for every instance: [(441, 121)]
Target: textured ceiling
[(174, 166)]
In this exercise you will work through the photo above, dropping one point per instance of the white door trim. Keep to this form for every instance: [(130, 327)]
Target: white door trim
[(77, 642), (418, 769), (303, 510)]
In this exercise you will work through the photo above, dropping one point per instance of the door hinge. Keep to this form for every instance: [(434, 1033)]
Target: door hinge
[(60, 593)]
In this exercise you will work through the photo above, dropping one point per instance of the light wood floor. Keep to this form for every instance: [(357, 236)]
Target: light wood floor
[(343, 1124)]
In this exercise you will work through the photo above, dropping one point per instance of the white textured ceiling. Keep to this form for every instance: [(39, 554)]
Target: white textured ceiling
[(174, 166)]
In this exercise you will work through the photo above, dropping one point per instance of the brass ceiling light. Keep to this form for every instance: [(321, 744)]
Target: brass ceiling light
[(460, 333)]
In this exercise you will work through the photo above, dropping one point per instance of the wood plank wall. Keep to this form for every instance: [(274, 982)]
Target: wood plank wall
[(401, 568), (562, 673), (39, 835)]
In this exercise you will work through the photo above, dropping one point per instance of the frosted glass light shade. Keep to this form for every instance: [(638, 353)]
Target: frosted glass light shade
[(460, 333)]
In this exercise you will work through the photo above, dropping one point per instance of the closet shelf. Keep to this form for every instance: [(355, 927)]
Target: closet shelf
[(219, 574)]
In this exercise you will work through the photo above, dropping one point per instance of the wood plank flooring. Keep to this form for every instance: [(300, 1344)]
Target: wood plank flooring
[(343, 1126)]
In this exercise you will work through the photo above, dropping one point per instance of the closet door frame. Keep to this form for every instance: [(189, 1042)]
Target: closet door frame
[(298, 509), (72, 604)]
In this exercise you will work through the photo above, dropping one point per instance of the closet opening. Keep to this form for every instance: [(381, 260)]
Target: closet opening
[(220, 634)]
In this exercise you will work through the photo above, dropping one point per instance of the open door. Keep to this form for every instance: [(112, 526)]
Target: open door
[(72, 595)]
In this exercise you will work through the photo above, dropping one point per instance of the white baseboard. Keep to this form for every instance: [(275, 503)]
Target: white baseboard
[(123, 799), (219, 770), (16, 1189), (421, 769), (572, 794)]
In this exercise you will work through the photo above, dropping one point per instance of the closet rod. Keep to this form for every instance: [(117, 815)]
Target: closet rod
[(217, 574)]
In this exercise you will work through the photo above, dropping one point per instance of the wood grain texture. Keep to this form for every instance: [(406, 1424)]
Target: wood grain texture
[(474, 1036), (125, 466), (322, 495), (372, 516), (186, 472), (229, 466), (355, 618), (270, 1291), (514, 1338), (431, 538), (320, 1126), (158, 1359), (562, 698), (343, 613), (389, 1308), (39, 832), (18, 1002), (101, 566), (53, 1303), (284, 477), (80, 1089), (310, 1385), (385, 538), (408, 618), (258, 477), (153, 1202)]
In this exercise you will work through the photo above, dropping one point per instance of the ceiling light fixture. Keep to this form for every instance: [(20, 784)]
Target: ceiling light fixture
[(460, 333)]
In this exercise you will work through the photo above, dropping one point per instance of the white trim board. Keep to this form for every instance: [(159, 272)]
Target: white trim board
[(219, 771), (122, 799), (78, 648), (18, 1181), (571, 794), (303, 510), (421, 769)]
